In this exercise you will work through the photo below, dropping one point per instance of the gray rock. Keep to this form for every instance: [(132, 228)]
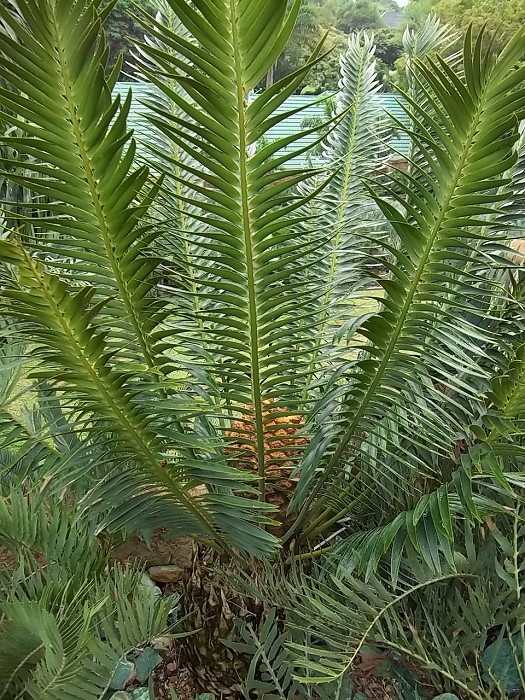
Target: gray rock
[(120, 695), (446, 696), (149, 585), (124, 673)]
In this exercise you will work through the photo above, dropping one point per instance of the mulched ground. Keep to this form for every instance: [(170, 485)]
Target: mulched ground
[(174, 674), (365, 681)]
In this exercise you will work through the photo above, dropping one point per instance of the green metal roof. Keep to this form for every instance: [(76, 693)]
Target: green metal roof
[(389, 103)]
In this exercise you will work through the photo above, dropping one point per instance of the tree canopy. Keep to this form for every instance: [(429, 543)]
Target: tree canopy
[(336, 18), (501, 18), (339, 18)]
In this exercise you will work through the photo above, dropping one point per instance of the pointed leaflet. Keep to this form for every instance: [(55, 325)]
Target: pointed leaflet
[(257, 329), (415, 333)]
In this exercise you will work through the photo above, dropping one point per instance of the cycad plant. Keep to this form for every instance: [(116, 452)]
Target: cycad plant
[(67, 620), (180, 315)]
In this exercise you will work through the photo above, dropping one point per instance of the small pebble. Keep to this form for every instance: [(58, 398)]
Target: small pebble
[(164, 642)]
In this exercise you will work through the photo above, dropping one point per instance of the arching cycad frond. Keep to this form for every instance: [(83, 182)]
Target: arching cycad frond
[(414, 340), (255, 327), (508, 394), (461, 625), (427, 40), (84, 288), (512, 215), (178, 242), (481, 486), (341, 612), (443, 623), (75, 354), (355, 150), (90, 226)]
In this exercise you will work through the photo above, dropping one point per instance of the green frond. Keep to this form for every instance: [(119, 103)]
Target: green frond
[(28, 529), (84, 282), (66, 624), (509, 389), (269, 672), (513, 212), (79, 157), (13, 361), (428, 39), (170, 211), (249, 254), (463, 626), (354, 150), (415, 335), (342, 613), (76, 354), (425, 41), (479, 488), (354, 147)]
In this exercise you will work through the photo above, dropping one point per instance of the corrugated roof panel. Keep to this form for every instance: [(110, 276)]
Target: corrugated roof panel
[(293, 124)]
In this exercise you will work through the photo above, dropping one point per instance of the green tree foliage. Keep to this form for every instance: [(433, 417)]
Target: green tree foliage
[(339, 18), (501, 18), (306, 35), (418, 10), (389, 49), (353, 15)]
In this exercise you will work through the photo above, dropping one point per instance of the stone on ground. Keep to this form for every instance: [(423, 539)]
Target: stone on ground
[(124, 674)]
